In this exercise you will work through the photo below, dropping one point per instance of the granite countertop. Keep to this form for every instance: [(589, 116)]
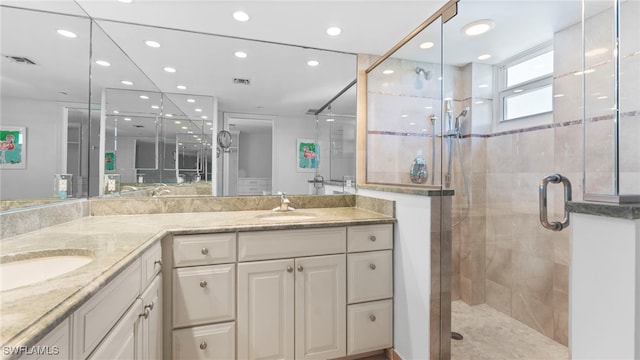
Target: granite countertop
[(621, 211), (116, 241)]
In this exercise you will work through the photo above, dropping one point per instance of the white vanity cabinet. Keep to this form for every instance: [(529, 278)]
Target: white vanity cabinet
[(203, 296), (56, 345), (370, 279), (121, 320), (293, 307)]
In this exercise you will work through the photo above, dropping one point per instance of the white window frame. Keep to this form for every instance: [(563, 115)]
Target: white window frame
[(503, 92)]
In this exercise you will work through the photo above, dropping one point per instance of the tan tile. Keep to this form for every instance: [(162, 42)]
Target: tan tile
[(499, 297), (533, 277), (561, 317), (562, 249), (561, 278), (533, 312), (499, 265)]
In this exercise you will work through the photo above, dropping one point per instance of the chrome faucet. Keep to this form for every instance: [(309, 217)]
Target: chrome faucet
[(284, 202)]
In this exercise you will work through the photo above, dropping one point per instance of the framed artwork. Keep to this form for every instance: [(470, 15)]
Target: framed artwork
[(109, 160), (13, 147), (307, 155)]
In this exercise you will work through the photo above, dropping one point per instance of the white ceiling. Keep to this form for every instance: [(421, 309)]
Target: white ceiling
[(281, 82)]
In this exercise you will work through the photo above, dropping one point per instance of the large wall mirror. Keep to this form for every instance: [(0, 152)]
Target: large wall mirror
[(92, 129)]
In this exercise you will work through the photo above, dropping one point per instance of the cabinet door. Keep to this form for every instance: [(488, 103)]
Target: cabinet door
[(55, 346), (321, 307), (123, 340), (265, 310), (152, 320)]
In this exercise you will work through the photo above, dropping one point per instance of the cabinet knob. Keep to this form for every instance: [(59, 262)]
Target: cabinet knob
[(203, 284), (145, 312), (372, 318), (300, 268), (203, 345), (372, 266), (204, 251), (289, 269), (372, 238), (158, 262)]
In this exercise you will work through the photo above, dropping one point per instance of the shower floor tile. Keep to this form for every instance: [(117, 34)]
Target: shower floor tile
[(492, 335)]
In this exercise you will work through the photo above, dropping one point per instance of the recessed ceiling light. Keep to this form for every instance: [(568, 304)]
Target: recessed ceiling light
[(153, 44), (67, 33), (189, 132), (103, 63), (479, 102), (404, 115), (184, 128), (177, 122), (412, 123), (168, 115), (116, 112), (517, 90), (126, 1), (387, 72), (595, 52), (426, 45), (127, 119), (428, 107), (558, 95), (241, 16), (334, 31), (169, 69), (331, 119), (209, 124), (482, 86), (478, 27), (313, 63), (126, 82), (205, 117), (155, 107), (198, 110), (181, 87), (144, 97), (191, 100), (602, 97), (484, 57), (240, 54)]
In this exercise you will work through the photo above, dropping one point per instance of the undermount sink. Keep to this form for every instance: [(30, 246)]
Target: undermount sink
[(286, 216), (29, 268)]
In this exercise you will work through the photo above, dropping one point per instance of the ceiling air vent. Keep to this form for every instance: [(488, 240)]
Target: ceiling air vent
[(20, 60), (239, 81)]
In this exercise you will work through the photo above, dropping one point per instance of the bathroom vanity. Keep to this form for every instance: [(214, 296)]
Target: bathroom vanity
[(225, 280)]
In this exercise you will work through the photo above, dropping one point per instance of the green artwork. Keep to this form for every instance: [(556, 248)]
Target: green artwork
[(12, 147), (308, 152), (109, 161)]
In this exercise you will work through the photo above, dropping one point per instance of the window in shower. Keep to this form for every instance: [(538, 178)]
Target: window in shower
[(525, 84)]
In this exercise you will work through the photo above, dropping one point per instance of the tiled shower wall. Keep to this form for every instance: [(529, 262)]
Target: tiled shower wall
[(501, 254)]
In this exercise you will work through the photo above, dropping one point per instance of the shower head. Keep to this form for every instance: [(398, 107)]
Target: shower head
[(426, 74), (463, 113)]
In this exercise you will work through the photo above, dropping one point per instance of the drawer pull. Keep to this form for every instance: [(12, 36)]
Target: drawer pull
[(372, 238), (203, 284), (300, 268), (204, 251), (372, 318), (203, 345), (158, 262), (147, 310), (289, 269), (372, 266)]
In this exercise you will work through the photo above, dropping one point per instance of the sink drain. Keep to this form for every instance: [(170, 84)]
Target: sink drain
[(456, 336)]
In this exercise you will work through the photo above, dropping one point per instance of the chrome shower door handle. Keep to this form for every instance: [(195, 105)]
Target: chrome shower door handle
[(544, 220)]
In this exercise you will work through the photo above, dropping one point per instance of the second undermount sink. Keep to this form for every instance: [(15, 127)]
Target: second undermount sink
[(31, 268), (286, 216)]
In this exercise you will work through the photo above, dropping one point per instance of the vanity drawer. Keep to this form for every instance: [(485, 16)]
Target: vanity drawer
[(370, 276), (369, 327), (204, 294), (205, 342), (280, 244), (370, 237), (204, 249)]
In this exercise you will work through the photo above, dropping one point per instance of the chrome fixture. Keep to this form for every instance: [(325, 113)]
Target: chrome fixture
[(433, 119), (554, 179), (284, 203), (426, 74), (418, 172)]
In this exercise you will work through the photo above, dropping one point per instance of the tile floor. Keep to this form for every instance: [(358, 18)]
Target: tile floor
[(492, 335)]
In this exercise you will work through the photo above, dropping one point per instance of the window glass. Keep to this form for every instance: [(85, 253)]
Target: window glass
[(533, 68), (528, 103)]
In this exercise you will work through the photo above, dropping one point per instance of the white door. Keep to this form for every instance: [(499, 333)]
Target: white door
[(265, 310), (321, 307), (152, 323), (123, 342)]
